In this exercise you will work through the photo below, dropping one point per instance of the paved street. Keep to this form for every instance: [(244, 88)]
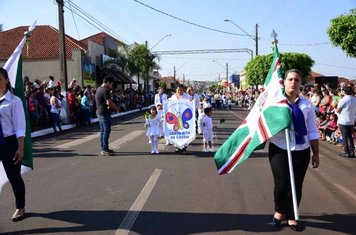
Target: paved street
[(74, 190)]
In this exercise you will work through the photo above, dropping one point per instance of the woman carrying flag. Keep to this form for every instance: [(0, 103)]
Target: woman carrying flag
[(12, 133), (303, 137)]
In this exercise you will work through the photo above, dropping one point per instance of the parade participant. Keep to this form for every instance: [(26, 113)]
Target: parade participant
[(180, 94), (153, 122), (160, 113), (208, 130), (346, 111), (305, 135), (104, 107), (56, 106), (194, 96), (12, 133), (200, 117), (160, 97)]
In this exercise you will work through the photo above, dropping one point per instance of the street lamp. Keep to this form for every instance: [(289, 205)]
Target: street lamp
[(255, 38), (175, 71), (167, 35), (227, 68)]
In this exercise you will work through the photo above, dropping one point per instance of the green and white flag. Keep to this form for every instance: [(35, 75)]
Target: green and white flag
[(269, 115), (14, 68)]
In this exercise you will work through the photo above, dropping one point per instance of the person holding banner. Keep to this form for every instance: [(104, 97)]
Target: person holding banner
[(304, 135), (12, 133), (180, 94)]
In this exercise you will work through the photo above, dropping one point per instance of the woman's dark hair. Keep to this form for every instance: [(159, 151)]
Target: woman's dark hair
[(4, 73), (294, 71)]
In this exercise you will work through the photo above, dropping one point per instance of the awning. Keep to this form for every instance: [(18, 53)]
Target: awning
[(119, 76)]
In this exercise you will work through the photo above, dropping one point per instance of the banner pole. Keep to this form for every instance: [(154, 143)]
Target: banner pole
[(291, 173)]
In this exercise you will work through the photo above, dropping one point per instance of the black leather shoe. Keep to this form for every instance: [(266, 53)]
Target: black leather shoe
[(351, 156), (296, 227), (276, 222)]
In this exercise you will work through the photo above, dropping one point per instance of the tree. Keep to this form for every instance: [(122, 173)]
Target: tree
[(257, 68), (142, 62), (342, 33)]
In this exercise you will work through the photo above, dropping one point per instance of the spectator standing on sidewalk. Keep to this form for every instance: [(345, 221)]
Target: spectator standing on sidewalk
[(346, 111), (105, 106)]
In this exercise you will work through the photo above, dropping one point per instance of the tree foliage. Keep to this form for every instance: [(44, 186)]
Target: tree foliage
[(257, 68), (142, 62), (342, 32)]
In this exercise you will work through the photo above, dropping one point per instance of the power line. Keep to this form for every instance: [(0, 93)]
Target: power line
[(186, 21), (97, 24), (336, 66), (75, 24)]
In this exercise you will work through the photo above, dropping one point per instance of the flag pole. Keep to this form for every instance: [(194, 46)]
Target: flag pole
[(290, 163), (291, 173)]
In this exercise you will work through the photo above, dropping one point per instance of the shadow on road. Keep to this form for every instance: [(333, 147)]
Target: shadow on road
[(150, 222)]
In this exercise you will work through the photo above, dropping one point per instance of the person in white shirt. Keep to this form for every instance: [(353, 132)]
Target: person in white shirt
[(208, 133), (346, 111), (12, 138), (180, 94), (51, 82), (305, 135), (160, 97)]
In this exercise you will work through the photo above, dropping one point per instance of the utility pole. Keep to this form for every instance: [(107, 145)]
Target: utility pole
[(174, 75), (256, 39), (62, 46), (227, 71)]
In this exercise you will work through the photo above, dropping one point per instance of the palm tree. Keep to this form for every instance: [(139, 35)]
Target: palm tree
[(141, 62)]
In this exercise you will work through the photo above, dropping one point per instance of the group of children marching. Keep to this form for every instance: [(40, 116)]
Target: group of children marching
[(155, 128)]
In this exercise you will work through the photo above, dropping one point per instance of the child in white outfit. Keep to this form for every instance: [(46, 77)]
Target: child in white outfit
[(153, 129), (160, 113), (200, 118), (208, 130)]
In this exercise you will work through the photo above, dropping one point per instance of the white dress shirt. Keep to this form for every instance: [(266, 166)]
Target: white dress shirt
[(312, 130), (158, 100), (184, 96), (12, 116)]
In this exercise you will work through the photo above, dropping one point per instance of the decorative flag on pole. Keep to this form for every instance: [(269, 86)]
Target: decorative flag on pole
[(14, 68), (269, 115)]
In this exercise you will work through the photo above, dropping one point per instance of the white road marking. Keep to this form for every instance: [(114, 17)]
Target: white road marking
[(78, 141), (127, 138), (345, 190), (137, 206), (240, 117)]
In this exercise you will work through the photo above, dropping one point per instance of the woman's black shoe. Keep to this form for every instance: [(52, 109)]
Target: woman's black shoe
[(296, 227), (276, 222)]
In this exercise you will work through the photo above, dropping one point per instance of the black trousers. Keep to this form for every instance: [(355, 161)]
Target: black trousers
[(13, 172), (347, 140), (278, 159)]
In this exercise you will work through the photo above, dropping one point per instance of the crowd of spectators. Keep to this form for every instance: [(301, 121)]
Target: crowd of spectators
[(46, 102)]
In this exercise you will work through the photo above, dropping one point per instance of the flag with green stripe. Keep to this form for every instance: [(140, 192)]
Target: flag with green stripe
[(268, 116), (14, 68)]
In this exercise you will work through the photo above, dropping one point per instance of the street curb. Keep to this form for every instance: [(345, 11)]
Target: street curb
[(71, 126)]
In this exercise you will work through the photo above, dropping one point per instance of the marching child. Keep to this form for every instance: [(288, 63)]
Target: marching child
[(208, 130), (153, 130), (160, 113), (200, 118)]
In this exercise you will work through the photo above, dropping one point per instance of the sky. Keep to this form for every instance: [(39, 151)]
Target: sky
[(301, 26)]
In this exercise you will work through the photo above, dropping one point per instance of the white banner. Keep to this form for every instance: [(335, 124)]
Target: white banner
[(179, 123)]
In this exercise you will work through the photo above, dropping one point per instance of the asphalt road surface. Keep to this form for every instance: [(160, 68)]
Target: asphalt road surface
[(75, 190)]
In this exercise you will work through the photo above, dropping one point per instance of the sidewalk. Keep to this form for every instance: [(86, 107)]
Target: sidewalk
[(71, 126)]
